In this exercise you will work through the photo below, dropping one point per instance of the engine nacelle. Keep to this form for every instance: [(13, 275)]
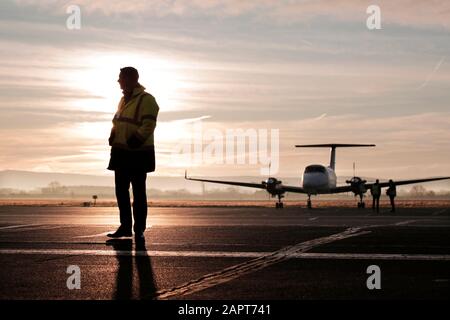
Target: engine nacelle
[(273, 186), (357, 184)]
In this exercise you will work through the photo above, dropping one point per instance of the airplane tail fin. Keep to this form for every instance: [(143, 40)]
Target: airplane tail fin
[(333, 147)]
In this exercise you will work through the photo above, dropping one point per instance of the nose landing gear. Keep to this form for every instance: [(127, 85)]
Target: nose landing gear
[(279, 204), (361, 204), (308, 203)]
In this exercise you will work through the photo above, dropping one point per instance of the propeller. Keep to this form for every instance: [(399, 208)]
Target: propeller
[(271, 185), (357, 183)]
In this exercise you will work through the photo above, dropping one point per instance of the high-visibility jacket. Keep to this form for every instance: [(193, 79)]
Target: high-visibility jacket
[(136, 117)]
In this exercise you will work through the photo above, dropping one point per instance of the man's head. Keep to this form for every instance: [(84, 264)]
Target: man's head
[(377, 181), (128, 78)]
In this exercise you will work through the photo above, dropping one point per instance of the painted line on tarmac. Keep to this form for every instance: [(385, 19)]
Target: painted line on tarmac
[(403, 223), (373, 256), (94, 235), (19, 226), (228, 254), (100, 234), (177, 244), (233, 272), (439, 212), (38, 227), (136, 253)]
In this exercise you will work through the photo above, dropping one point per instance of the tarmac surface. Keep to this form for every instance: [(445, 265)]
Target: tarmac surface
[(226, 253)]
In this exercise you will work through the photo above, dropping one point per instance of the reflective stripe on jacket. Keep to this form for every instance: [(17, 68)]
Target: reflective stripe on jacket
[(136, 117)]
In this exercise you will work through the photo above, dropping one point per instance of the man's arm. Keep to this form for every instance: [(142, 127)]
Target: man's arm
[(149, 111), (112, 136)]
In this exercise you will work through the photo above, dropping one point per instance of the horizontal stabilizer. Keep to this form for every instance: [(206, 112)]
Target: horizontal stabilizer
[(333, 145)]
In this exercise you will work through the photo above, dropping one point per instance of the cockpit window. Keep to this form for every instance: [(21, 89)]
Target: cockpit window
[(315, 168)]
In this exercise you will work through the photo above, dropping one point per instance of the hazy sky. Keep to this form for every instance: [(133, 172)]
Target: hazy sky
[(311, 69)]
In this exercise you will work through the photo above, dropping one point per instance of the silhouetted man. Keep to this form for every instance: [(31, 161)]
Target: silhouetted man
[(132, 151), (376, 193), (392, 193)]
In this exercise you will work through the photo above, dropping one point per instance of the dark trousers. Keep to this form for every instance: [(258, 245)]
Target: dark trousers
[(376, 203), (137, 179), (392, 203)]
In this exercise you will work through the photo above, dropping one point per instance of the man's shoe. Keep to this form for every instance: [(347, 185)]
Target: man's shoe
[(119, 234)]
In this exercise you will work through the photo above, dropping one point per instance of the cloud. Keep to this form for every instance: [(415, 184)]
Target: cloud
[(404, 12), (190, 120), (435, 69), (233, 64), (407, 146), (323, 115)]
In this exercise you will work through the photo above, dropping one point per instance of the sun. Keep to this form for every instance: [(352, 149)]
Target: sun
[(94, 79), (97, 79)]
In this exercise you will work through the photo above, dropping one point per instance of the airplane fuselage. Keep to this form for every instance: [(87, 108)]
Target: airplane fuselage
[(318, 179)]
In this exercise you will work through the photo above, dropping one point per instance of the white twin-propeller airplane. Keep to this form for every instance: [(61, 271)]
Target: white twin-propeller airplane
[(318, 179)]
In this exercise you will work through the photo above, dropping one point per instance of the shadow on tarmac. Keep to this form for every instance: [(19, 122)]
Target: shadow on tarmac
[(125, 276)]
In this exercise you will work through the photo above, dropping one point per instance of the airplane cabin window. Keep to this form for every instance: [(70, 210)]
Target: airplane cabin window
[(311, 169)]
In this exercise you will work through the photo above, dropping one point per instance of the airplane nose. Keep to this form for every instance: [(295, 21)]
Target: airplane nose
[(315, 180)]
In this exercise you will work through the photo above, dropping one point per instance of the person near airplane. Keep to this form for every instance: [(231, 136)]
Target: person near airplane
[(392, 193), (375, 190), (132, 152)]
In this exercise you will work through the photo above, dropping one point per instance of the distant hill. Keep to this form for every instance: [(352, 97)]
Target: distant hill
[(28, 180)]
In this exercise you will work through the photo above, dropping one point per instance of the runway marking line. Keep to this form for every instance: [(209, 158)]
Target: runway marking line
[(36, 227), (19, 226), (403, 223), (439, 212), (94, 235), (100, 234), (233, 272), (228, 274), (260, 259), (230, 254)]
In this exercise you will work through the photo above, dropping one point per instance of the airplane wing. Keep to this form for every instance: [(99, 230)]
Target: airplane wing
[(403, 182), (340, 189), (368, 186), (249, 184), (293, 189), (232, 183)]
